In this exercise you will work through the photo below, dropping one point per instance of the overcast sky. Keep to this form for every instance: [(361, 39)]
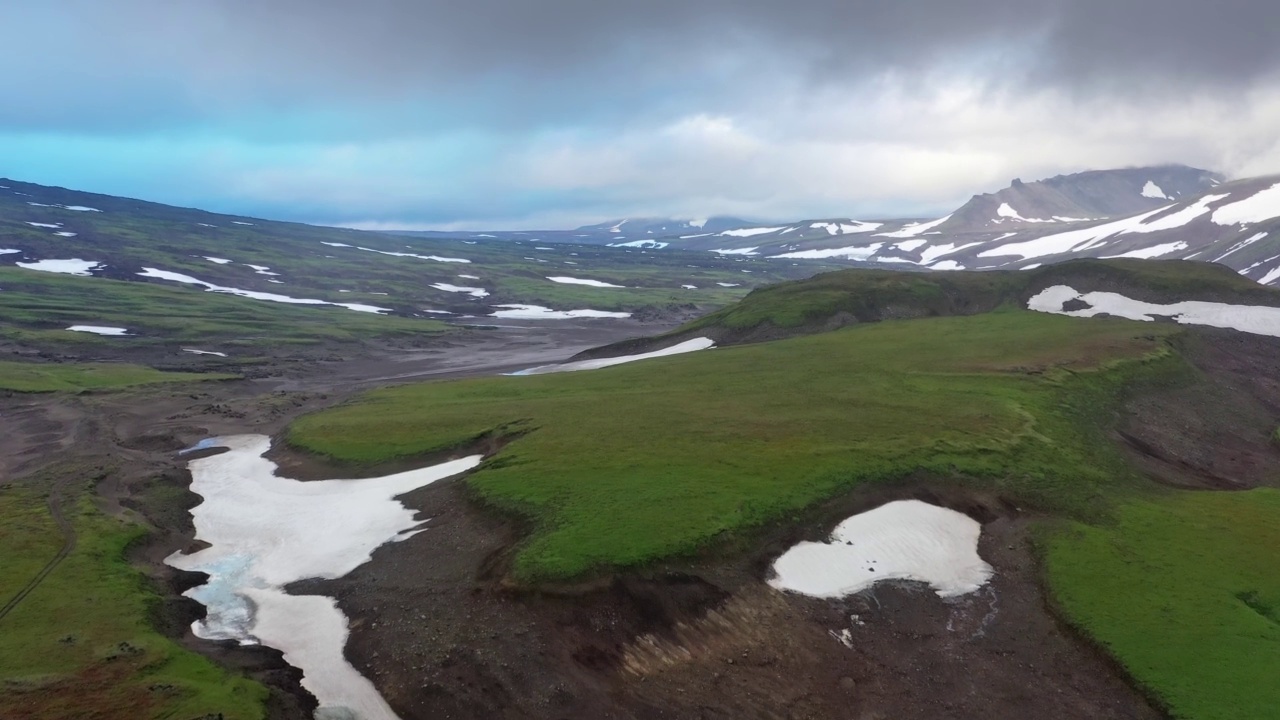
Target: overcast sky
[(553, 113)]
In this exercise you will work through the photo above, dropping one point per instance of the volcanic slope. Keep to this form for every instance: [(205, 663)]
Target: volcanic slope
[(165, 274), (1166, 212), (704, 455)]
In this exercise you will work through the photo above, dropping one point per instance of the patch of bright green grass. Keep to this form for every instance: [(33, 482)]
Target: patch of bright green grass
[(1185, 592), (624, 465), (874, 294), (53, 377), (38, 306), (81, 641)]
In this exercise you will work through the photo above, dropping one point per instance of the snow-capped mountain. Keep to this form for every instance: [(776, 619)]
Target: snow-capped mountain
[(1236, 223), (623, 232), (1080, 197), (1170, 212)]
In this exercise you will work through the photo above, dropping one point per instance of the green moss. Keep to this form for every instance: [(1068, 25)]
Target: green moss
[(1184, 592), (82, 638), (636, 462), (53, 377)]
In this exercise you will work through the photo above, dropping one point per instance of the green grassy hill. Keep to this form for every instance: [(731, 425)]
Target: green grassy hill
[(623, 466), (333, 265)]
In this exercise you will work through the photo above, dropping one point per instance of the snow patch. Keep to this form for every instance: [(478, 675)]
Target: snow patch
[(472, 291), (582, 281), (1254, 319), (1152, 190), (537, 312), (853, 226), (1153, 251), (1260, 206), (72, 266), (647, 244), (903, 540), (737, 251), (913, 229), (1240, 246), (1089, 238), (219, 261), (253, 294), (751, 232), (53, 226), (193, 351), (597, 363), (100, 330), (1006, 211), (264, 532), (859, 252)]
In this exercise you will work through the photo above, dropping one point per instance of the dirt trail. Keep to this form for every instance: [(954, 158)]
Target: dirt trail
[(54, 503)]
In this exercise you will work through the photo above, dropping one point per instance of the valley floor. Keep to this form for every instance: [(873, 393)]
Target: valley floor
[(443, 632)]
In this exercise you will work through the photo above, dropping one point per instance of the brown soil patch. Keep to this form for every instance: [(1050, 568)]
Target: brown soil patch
[(1217, 433)]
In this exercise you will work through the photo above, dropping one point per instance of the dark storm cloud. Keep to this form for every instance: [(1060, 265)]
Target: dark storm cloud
[(165, 61)]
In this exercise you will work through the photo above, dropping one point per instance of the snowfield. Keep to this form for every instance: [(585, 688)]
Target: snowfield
[(751, 232), (269, 297), (264, 532), (1094, 237), (100, 330), (564, 280), (849, 228), (902, 540), (1258, 207), (537, 312), (597, 363), (1152, 190), (472, 291), (72, 266), (858, 252), (1151, 252), (1255, 319), (913, 229)]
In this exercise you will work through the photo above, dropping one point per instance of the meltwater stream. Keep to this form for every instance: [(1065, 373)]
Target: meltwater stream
[(265, 532)]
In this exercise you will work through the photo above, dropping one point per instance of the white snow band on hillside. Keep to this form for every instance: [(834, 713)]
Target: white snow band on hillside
[(1006, 211), (565, 280), (1094, 237), (903, 540), (597, 363), (254, 294), (861, 252), (914, 229), (1255, 319), (71, 266), (537, 312), (1258, 207)]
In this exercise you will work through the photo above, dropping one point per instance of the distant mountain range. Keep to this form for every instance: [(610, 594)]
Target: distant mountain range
[(1171, 212)]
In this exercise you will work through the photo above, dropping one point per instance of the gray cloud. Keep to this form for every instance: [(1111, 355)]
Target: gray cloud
[(558, 58), (545, 111)]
